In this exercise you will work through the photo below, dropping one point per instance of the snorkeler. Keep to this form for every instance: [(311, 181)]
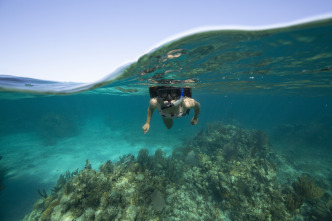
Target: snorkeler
[(171, 103)]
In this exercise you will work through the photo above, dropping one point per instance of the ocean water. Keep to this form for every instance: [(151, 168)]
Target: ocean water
[(278, 81)]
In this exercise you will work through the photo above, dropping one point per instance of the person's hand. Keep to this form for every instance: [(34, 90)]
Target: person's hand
[(194, 121), (146, 128)]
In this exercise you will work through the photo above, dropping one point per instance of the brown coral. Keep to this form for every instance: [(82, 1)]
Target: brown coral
[(293, 202), (305, 187), (324, 209), (46, 215)]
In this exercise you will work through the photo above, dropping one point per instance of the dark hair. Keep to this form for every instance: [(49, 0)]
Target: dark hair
[(153, 90)]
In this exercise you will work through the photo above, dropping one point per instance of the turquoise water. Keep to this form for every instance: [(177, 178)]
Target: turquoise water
[(278, 81)]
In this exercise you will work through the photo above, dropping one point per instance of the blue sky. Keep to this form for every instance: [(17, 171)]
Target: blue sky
[(84, 41)]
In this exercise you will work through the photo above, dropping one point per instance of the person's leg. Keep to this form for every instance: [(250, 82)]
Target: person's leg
[(168, 123)]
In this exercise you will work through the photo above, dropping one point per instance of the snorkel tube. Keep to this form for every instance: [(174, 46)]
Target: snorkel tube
[(176, 103)]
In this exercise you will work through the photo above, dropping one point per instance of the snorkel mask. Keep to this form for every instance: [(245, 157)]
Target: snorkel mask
[(169, 94)]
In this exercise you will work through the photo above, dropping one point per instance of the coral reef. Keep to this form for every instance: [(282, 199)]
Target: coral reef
[(223, 173)]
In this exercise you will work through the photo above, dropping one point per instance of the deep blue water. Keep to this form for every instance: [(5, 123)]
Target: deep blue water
[(275, 80)]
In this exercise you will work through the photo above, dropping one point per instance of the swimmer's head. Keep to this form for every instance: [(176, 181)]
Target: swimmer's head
[(170, 96)]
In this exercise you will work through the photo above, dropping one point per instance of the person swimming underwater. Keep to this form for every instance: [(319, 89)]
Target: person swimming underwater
[(171, 103)]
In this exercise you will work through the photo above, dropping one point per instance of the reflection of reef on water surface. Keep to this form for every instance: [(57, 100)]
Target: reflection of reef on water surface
[(223, 173)]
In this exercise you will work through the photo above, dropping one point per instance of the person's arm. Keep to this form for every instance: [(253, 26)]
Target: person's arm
[(197, 109), (146, 126)]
